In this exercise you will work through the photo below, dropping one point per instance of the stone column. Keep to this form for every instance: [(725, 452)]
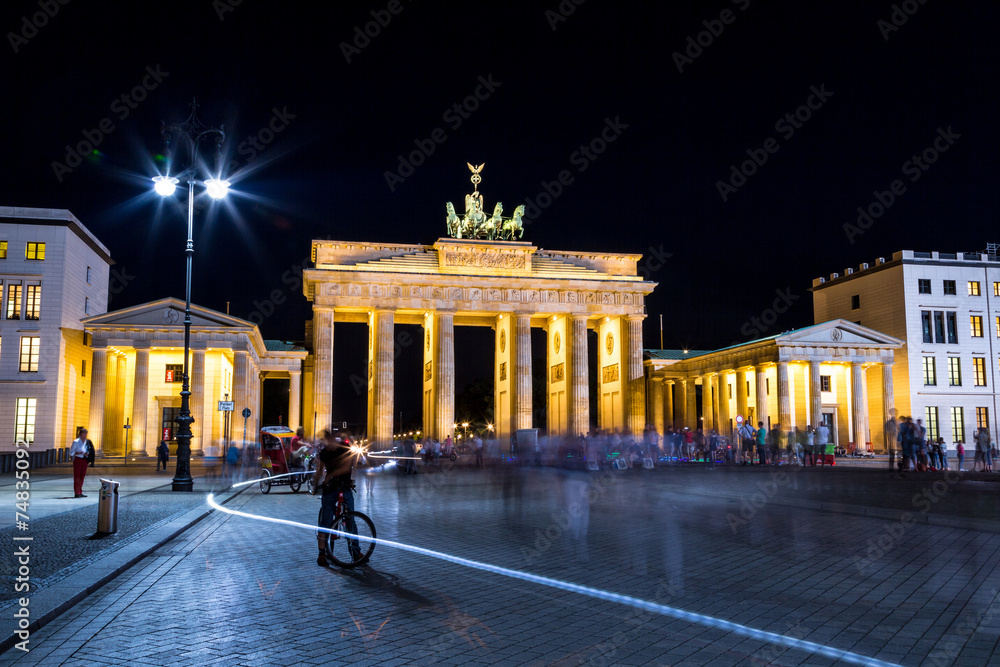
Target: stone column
[(888, 404), (294, 399), (240, 397), (668, 391), (657, 405), (577, 376), (140, 403), (198, 430), (761, 404), (322, 370), (682, 403), (741, 394), (815, 396), (859, 412), (633, 379), (98, 383), (691, 410), (444, 375), (722, 396), (382, 379), (707, 404), (784, 398), (522, 416), (118, 406)]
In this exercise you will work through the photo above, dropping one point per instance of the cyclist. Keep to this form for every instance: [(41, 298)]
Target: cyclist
[(334, 468)]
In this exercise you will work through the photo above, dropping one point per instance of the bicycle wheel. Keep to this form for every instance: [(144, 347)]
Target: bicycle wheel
[(265, 481), (295, 484), (346, 552)]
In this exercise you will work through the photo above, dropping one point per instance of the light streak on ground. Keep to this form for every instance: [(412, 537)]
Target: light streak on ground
[(665, 610), (271, 477)]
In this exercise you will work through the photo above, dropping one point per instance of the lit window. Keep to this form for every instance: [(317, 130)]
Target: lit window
[(931, 417), (924, 286), (949, 287), (976, 321), (3, 250), (24, 421), (175, 373), (33, 302), (34, 251), (996, 289), (930, 371), (982, 418), (979, 370), (958, 424), (14, 301), (824, 383), (974, 288), (954, 371), (29, 354), (998, 326)]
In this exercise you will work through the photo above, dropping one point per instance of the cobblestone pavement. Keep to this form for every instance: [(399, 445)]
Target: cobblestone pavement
[(234, 591), (66, 541)]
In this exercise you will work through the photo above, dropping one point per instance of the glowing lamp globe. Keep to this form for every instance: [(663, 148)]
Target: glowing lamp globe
[(216, 188), (164, 185)]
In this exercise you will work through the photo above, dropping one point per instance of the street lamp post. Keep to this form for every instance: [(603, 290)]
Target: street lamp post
[(194, 131)]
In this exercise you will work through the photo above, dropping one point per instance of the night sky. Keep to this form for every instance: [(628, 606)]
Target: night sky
[(317, 115)]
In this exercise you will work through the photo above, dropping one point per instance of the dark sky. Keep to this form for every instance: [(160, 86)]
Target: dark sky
[(887, 90)]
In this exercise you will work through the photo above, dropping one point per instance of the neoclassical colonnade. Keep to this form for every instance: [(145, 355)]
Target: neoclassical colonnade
[(138, 354), (837, 371), (511, 287)]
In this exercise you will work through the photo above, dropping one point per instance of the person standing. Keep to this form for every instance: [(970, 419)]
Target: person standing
[(982, 448), (761, 444), (479, 452), (961, 455), (822, 440), (162, 455), (809, 447), (78, 452), (747, 434), (891, 432)]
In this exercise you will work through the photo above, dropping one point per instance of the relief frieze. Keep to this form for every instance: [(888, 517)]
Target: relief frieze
[(487, 259)]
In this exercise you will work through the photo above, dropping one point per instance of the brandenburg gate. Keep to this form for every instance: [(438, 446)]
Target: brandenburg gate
[(481, 276)]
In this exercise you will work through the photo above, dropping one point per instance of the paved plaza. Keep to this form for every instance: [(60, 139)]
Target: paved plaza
[(746, 546)]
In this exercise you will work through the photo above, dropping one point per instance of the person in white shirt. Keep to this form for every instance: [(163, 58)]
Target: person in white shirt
[(78, 452)]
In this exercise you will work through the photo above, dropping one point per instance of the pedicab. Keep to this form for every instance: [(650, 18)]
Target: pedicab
[(279, 465)]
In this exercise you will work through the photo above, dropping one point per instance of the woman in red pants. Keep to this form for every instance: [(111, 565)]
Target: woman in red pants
[(78, 452)]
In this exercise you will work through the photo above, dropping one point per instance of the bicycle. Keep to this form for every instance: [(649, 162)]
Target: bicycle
[(346, 552)]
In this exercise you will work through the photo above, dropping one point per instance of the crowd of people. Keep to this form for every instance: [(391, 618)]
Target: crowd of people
[(922, 453)]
